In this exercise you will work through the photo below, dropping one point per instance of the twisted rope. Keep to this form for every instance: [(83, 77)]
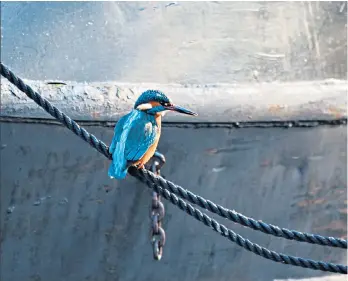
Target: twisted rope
[(165, 187), (55, 112), (236, 238), (240, 218), (176, 189)]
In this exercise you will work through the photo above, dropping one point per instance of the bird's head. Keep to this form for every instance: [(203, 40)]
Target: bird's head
[(156, 102)]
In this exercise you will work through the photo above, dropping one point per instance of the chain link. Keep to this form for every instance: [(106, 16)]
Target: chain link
[(157, 233)]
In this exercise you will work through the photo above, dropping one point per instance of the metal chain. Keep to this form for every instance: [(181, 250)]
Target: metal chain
[(158, 236), (161, 189)]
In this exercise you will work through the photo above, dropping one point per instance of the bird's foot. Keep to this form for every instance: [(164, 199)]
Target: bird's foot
[(158, 161), (138, 164)]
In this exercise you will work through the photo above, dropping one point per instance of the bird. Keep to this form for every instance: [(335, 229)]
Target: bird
[(136, 134)]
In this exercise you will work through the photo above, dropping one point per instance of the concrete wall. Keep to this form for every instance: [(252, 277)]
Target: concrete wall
[(107, 102), (181, 42)]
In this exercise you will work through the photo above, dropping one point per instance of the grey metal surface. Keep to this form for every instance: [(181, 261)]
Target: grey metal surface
[(222, 103), (182, 42), (294, 178), (57, 220)]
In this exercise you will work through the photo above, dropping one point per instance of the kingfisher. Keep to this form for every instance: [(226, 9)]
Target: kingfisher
[(136, 135)]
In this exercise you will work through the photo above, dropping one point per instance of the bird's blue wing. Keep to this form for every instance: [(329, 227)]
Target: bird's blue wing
[(141, 136), (133, 135), (118, 166), (117, 132)]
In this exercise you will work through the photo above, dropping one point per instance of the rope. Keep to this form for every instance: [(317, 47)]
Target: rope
[(241, 219), (165, 187), (236, 238), (55, 112), (178, 190)]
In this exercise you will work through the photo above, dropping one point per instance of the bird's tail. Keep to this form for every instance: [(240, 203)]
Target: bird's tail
[(118, 167), (116, 172)]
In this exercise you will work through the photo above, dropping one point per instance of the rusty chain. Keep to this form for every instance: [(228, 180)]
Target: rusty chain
[(157, 211)]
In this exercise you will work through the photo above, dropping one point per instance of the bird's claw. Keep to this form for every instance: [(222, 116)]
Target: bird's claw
[(158, 161)]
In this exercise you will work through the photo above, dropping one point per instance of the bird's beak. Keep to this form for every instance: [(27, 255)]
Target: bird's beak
[(181, 110)]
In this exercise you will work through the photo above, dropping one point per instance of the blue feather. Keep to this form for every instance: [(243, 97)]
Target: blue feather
[(151, 95), (133, 136)]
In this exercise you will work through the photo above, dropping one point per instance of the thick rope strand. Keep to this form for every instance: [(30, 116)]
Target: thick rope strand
[(241, 219), (236, 238), (178, 190)]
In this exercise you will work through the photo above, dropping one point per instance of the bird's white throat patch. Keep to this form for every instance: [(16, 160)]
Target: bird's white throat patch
[(144, 106)]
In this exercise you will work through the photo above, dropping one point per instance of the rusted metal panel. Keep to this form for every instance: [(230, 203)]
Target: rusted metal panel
[(58, 221)]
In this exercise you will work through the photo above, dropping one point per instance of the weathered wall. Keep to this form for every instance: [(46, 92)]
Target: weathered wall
[(294, 178), (109, 101), (186, 42)]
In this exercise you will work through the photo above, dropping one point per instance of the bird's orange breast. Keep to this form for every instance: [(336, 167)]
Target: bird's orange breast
[(151, 151)]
